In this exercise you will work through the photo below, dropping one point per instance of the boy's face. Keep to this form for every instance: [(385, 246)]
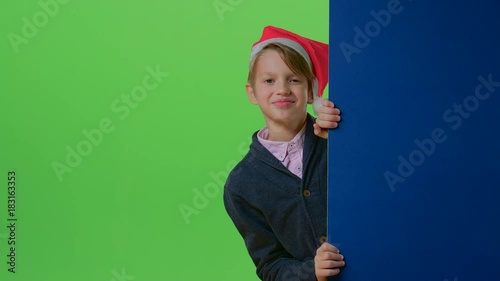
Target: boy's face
[(281, 95)]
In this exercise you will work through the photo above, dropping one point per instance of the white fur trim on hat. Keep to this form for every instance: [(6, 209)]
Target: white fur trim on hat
[(287, 42)]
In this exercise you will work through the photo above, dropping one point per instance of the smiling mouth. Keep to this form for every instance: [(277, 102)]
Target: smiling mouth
[(282, 103)]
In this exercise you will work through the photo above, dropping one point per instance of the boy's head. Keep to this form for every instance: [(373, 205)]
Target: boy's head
[(304, 57), (293, 60), (281, 93)]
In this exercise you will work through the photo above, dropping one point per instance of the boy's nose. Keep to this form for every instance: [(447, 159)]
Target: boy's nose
[(282, 88)]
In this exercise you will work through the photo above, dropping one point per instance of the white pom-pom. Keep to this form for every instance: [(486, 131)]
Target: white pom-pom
[(316, 100), (317, 104)]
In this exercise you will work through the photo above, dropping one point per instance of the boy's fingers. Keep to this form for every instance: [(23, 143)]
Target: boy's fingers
[(332, 256), (327, 124), (327, 103), (328, 272), (327, 247), (329, 110), (331, 264), (328, 117)]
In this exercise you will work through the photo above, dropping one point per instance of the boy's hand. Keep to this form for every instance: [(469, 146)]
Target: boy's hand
[(327, 261), (328, 118)]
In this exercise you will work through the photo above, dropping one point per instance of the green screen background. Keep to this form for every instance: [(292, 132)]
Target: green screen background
[(115, 215)]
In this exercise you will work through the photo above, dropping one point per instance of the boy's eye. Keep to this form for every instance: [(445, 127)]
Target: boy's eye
[(268, 80), (295, 80)]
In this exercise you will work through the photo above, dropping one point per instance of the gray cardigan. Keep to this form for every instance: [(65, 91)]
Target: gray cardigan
[(281, 217)]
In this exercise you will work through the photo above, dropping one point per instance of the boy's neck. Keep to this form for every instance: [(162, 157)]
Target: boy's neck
[(284, 132)]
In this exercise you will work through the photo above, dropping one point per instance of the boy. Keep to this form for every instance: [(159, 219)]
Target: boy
[(276, 195)]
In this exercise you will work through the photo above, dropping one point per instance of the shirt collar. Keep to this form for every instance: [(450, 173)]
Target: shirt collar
[(280, 148)]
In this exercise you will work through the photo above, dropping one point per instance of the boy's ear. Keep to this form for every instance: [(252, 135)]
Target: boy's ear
[(251, 94)]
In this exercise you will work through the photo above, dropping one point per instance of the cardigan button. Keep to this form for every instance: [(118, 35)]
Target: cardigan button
[(306, 193), (323, 239)]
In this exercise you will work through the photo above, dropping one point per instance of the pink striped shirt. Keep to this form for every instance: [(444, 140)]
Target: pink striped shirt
[(289, 153)]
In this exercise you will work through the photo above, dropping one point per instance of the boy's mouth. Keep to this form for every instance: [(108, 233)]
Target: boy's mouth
[(283, 102)]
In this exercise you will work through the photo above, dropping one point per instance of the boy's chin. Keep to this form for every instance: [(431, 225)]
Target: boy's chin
[(288, 115)]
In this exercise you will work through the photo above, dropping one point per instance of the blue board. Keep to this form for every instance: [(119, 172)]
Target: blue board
[(414, 168)]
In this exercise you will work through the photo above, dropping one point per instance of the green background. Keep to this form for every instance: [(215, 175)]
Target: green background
[(118, 210)]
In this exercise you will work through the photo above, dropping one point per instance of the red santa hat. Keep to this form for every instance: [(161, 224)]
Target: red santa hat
[(314, 52)]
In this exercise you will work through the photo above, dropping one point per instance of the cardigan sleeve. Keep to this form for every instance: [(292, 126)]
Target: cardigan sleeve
[(271, 259)]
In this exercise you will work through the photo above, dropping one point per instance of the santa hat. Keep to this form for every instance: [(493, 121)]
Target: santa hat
[(314, 52)]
